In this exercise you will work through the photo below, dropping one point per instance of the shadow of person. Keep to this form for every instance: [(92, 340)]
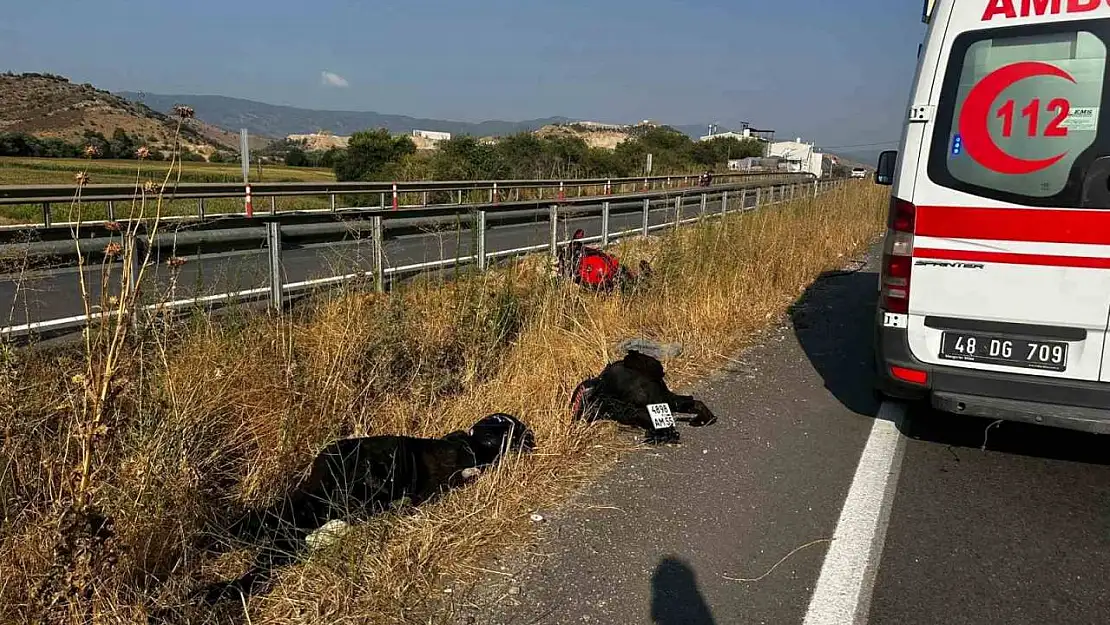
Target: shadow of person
[(675, 599)]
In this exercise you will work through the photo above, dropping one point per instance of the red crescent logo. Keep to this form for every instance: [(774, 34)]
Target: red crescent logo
[(977, 110)]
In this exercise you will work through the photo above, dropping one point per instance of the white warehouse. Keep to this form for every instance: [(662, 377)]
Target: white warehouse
[(797, 157)]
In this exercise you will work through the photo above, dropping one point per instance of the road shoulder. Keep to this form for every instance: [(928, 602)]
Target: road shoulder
[(667, 535)]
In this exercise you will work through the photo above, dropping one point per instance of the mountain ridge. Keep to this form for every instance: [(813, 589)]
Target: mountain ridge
[(278, 121)]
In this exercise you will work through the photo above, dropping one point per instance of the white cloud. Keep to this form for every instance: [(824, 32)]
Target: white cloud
[(333, 80)]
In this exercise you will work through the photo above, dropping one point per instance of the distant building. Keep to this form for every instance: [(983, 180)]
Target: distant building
[(754, 164), (746, 132), (432, 135), (797, 157)]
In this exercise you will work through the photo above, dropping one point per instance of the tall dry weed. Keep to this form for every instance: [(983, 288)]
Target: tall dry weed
[(212, 418)]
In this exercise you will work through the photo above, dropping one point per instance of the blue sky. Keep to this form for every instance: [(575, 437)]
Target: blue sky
[(837, 73)]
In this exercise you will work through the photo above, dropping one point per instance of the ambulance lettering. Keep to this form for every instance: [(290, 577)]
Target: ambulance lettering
[(1011, 9)]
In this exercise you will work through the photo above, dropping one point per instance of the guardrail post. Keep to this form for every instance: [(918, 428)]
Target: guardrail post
[(816, 185), (425, 200), (200, 208), (553, 214), (758, 196), (481, 234), (704, 203), (604, 224), (724, 201), (377, 233), (647, 210), (382, 204), (46, 214), (460, 197), (677, 211), (273, 242), (331, 197), (273, 204), (111, 210)]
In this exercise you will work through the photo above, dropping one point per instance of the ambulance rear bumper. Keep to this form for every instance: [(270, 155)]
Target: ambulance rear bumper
[(1070, 404)]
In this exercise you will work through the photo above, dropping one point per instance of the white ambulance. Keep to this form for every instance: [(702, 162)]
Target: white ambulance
[(995, 281)]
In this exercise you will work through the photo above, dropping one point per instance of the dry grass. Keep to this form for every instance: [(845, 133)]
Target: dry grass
[(204, 419)]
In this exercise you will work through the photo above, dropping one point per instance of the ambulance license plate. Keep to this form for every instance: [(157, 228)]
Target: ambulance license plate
[(1046, 355)]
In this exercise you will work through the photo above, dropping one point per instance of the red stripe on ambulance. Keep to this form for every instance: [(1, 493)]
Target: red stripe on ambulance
[(1043, 225), (1045, 260)]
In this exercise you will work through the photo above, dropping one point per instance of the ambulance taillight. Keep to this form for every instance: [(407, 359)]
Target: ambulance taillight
[(898, 257)]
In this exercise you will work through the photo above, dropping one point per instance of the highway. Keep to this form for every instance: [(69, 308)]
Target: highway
[(811, 503), (44, 294)]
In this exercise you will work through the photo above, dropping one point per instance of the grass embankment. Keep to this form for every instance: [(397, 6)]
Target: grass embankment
[(209, 418)]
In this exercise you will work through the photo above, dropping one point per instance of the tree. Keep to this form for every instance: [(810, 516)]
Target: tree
[(369, 153), (520, 155), (672, 152), (53, 147), (121, 145), (565, 157), (296, 157), (720, 150), (17, 144), (601, 162), (100, 145), (464, 158), (330, 157)]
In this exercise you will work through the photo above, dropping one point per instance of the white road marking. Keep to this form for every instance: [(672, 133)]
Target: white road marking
[(843, 592)]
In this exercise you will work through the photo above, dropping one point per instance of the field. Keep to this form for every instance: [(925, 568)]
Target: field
[(107, 517), (21, 170), (57, 171), (52, 171)]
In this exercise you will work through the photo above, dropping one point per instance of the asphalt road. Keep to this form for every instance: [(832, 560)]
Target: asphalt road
[(54, 293), (1016, 533)]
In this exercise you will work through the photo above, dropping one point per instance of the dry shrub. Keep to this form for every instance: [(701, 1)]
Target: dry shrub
[(216, 417)]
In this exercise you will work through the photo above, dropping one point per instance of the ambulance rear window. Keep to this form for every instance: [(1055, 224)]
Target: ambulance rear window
[(1020, 113)]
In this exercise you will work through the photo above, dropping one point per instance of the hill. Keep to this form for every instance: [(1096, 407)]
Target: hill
[(280, 121), (596, 134), (49, 106)]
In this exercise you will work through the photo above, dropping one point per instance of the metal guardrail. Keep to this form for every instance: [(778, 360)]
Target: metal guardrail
[(733, 198), (388, 192), (61, 235)]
